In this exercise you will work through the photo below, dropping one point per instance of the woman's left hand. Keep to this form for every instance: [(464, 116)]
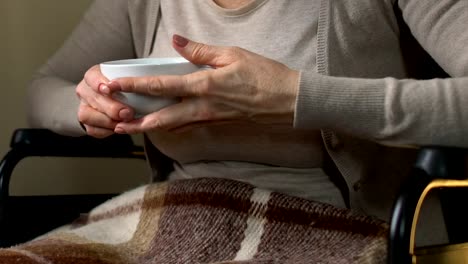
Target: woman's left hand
[(242, 86)]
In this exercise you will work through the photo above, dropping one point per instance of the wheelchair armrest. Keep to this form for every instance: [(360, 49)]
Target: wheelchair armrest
[(42, 142), (51, 211), (432, 163)]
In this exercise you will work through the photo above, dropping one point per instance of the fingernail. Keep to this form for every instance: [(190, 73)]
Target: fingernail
[(104, 89), (119, 130), (126, 114), (180, 41)]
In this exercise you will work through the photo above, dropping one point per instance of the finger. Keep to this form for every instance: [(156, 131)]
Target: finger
[(154, 121), (203, 54), (91, 117), (133, 127), (165, 119), (194, 84), (95, 80), (98, 132), (112, 108), (188, 112)]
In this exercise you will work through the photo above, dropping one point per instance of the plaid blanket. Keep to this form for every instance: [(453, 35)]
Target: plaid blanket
[(209, 221)]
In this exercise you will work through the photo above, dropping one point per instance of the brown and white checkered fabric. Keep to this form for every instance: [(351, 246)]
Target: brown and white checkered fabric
[(209, 221)]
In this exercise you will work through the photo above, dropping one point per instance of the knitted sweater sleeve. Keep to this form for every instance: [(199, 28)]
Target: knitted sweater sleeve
[(400, 111), (103, 34)]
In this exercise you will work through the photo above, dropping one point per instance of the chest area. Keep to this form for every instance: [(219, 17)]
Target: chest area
[(282, 30)]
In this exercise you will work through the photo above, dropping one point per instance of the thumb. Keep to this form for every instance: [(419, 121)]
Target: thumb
[(199, 53)]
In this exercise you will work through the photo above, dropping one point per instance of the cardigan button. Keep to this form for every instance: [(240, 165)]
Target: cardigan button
[(357, 186), (336, 143)]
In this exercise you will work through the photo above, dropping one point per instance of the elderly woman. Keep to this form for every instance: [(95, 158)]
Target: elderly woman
[(314, 99)]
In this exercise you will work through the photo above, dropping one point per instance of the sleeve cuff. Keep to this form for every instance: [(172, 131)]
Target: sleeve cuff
[(343, 104)]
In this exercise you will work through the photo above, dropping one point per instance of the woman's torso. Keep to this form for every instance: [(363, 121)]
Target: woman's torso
[(282, 31), (273, 157)]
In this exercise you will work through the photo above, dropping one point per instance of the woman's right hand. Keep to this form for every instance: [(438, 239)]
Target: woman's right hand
[(99, 113)]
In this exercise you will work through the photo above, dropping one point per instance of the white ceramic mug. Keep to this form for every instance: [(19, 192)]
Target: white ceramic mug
[(144, 104)]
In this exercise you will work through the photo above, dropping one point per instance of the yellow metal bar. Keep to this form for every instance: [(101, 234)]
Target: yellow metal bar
[(435, 184)]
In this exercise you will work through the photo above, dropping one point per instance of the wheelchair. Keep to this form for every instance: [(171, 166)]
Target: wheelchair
[(436, 168)]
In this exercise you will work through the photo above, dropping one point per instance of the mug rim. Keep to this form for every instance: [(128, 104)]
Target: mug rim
[(146, 62)]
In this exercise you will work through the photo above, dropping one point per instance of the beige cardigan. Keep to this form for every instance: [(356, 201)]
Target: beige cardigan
[(360, 41)]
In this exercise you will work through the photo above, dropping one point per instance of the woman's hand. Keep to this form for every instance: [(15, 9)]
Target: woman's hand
[(99, 113), (243, 86)]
